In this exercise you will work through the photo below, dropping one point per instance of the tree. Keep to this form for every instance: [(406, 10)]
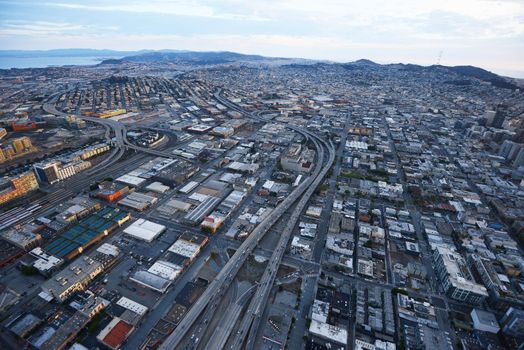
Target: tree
[(28, 270), (305, 338), (308, 322)]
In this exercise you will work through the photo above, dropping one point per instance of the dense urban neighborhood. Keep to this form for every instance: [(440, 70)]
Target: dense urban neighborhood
[(228, 201)]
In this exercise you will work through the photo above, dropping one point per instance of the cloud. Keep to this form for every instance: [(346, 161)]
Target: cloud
[(162, 7), (430, 19), (13, 28), (484, 32), (38, 28), (464, 18)]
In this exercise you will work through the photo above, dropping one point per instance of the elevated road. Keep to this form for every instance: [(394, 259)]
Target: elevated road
[(227, 323), (229, 271), (252, 317), (119, 130)]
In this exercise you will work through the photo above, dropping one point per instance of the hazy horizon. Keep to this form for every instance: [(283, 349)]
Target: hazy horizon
[(33, 62), (483, 33)]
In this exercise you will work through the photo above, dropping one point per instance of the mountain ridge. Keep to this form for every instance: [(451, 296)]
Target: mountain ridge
[(115, 57)]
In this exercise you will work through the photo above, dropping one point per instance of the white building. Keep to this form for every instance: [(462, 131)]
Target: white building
[(485, 321), (145, 230)]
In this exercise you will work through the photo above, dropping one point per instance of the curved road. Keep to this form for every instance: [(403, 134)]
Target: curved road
[(252, 317), (229, 271), (118, 128)]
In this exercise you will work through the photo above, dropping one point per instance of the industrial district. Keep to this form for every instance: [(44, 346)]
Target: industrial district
[(255, 205)]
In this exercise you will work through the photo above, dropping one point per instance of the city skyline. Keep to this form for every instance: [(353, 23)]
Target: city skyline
[(488, 34)]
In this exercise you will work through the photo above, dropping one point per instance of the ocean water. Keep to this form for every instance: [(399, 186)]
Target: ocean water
[(42, 62)]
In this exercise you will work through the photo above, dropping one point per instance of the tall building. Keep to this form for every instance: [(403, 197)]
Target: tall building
[(17, 187), (499, 119), (519, 159), (510, 149), (47, 172), (456, 279), (512, 323), (489, 115), (496, 119)]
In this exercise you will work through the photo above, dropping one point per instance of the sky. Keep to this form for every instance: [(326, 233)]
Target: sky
[(484, 33)]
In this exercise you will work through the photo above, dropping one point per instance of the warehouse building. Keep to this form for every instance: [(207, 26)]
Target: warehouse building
[(213, 188), (25, 325), (131, 180), (87, 232), (145, 230), (188, 245), (45, 263), (204, 208), (247, 168), (150, 280), (190, 186), (76, 209), (165, 270), (176, 174), (158, 187), (213, 221), (138, 201), (132, 305), (184, 248)]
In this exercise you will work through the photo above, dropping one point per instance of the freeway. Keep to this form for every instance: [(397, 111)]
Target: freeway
[(229, 271), (114, 156), (119, 129), (227, 323), (252, 317), (296, 340)]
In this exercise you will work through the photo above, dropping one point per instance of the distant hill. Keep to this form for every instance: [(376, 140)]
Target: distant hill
[(484, 75), (464, 71), (226, 57), (191, 57), (365, 62)]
